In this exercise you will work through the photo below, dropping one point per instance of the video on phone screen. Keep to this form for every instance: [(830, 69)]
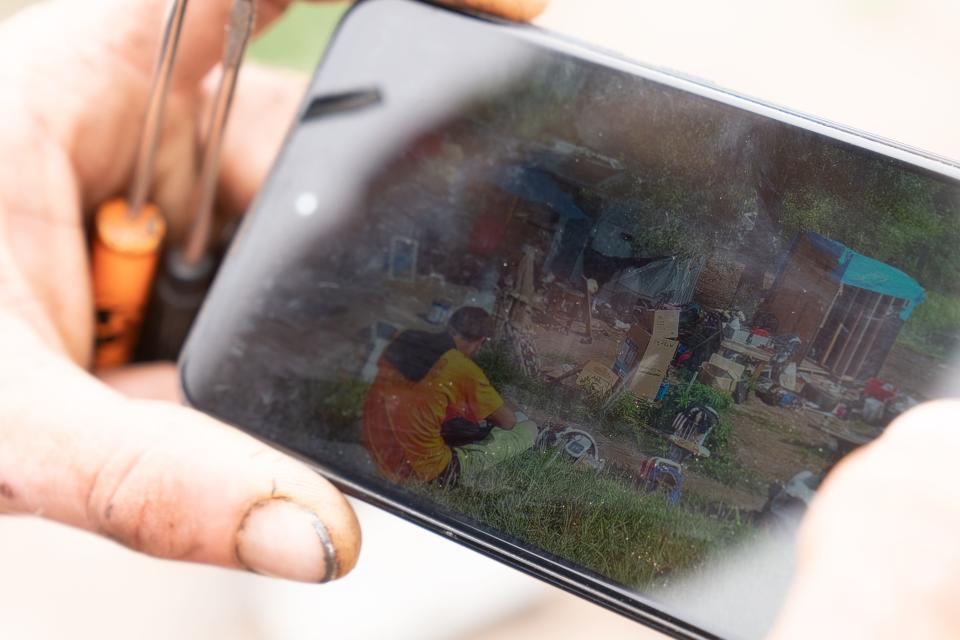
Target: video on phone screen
[(622, 324)]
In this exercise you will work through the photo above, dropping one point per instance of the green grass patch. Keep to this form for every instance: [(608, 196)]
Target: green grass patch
[(336, 407), (596, 520), (299, 38)]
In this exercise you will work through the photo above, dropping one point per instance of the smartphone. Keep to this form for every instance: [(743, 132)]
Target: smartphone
[(602, 323)]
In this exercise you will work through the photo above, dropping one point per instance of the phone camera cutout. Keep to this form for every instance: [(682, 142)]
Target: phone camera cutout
[(306, 204)]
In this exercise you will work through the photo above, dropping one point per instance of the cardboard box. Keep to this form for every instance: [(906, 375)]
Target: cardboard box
[(652, 367), (711, 374), (734, 368), (661, 323), (721, 373), (647, 351), (598, 376)]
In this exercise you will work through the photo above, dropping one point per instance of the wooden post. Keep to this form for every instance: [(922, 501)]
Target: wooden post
[(588, 318), (873, 336), (837, 369), (823, 322), (836, 333), (863, 329)]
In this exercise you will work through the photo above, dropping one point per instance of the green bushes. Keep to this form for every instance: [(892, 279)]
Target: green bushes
[(934, 327)]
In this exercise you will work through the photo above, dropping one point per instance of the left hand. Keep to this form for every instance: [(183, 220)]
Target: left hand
[(155, 476)]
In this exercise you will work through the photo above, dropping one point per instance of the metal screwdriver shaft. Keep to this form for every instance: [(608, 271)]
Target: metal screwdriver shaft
[(187, 271), (153, 119), (239, 29)]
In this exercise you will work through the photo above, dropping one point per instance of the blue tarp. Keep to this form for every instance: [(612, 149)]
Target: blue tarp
[(537, 185), (857, 270)]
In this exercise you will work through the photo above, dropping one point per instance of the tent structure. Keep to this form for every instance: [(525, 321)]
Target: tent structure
[(846, 308), (537, 185), (857, 270), (669, 280)]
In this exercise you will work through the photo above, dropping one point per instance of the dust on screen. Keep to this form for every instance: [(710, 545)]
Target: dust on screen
[(621, 323)]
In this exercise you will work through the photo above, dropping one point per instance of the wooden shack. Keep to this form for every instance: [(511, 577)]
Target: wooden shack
[(846, 308)]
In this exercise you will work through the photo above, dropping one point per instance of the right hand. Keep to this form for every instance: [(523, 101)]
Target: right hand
[(879, 548)]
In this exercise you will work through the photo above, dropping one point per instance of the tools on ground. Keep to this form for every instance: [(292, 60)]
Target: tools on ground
[(187, 271)]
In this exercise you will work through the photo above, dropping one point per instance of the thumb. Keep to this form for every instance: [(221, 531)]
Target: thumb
[(160, 478)]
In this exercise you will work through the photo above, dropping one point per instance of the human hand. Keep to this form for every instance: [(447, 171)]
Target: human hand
[(152, 475), (878, 553)]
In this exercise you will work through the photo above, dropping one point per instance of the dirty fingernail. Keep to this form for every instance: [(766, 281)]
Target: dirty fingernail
[(283, 539)]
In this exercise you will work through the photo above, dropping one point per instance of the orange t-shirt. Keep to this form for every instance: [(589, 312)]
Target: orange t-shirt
[(402, 418)]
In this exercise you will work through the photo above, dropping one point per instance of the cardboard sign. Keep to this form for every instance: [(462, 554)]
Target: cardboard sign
[(598, 376), (652, 367), (648, 350)]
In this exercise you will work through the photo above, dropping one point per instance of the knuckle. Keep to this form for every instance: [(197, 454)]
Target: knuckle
[(135, 503)]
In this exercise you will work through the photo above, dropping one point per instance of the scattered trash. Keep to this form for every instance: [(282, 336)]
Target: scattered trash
[(402, 263), (440, 311), (597, 376), (873, 410), (690, 428), (722, 373), (879, 389), (661, 475), (576, 445)]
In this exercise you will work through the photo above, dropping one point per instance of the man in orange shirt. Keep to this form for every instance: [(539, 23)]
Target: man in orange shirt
[(432, 414)]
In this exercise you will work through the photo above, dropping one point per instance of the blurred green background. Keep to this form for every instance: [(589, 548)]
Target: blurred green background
[(297, 41)]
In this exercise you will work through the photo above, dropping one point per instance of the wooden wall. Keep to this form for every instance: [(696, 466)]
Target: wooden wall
[(803, 294)]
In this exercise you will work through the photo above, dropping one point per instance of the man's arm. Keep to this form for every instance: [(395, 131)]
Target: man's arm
[(504, 417)]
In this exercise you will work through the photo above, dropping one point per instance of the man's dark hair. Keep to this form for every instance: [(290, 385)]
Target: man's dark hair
[(473, 323)]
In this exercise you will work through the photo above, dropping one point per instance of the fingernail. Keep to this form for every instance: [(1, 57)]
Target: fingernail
[(283, 539)]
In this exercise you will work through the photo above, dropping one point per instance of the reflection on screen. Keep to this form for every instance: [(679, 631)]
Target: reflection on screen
[(625, 325)]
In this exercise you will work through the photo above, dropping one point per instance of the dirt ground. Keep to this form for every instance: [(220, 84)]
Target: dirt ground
[(917, 374), (557, 347), (767, 444)]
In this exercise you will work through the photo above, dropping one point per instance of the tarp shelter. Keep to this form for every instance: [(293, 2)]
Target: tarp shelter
[(846, 308), (670, 280), (857, 270), (537, 185)]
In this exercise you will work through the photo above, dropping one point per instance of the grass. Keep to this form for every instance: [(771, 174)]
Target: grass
[(299, 38), (595, 520), (629, 416)]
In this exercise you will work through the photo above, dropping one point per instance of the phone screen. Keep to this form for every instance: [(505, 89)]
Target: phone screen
[(622, 323)]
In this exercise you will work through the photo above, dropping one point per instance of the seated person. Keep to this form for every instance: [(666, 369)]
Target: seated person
[(432, 414)]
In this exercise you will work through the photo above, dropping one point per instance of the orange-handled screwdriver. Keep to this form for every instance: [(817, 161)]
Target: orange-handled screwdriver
[(128, 233)]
